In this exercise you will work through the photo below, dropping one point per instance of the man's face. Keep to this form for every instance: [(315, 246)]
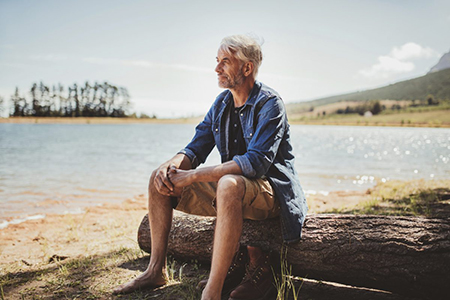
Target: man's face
[(229, 71)]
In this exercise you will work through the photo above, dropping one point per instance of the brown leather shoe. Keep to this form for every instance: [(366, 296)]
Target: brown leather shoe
[(235, 273), (259, 281)]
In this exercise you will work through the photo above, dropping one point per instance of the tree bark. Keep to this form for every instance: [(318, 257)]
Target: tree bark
[(405, 255)]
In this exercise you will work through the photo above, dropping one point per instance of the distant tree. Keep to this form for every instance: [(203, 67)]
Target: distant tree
[(46, 102), (99, 100), (19, 105), (396, 107), (61, 100), (376, 108), (349, 110), (145, 116), (35, 101), (431, 100), (2, 101), (361, 109)]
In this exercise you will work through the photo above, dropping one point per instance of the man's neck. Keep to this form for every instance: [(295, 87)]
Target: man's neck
[(241, 93)]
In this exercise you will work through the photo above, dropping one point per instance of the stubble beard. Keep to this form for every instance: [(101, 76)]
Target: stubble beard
[(232, 82)]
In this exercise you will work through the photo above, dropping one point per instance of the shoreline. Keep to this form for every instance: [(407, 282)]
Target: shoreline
[(196, 120), (106, 121), (372, 124), (320, 199)]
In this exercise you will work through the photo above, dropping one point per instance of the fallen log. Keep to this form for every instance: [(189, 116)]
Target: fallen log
[(405, 255)]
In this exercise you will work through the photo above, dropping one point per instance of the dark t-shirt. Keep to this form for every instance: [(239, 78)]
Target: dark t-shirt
[(236, 144)]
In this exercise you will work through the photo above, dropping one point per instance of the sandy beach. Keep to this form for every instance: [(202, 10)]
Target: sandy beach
[(101, 228), (86, 255), (103, 237)]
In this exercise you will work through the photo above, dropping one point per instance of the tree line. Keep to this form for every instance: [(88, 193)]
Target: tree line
[(88, 100), (375, 107)]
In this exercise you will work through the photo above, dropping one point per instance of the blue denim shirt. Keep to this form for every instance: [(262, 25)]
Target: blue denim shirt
[(269, 151)]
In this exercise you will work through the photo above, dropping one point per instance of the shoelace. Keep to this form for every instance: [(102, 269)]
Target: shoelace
[(253, 273), (236, 262)]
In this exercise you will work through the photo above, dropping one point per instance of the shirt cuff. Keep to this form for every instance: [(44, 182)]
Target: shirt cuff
[(245, 165), (191, 155)]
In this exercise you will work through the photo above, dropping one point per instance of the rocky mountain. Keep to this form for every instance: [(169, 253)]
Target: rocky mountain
[(443, 63)]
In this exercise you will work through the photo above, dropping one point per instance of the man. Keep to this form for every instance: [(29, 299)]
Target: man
[(256, 179)]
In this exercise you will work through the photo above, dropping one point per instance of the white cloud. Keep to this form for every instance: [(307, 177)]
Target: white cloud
[(386, 66), (412, 51), (398, 60), (145, 64)]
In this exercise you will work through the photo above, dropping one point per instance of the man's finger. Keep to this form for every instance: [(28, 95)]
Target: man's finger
[(167, 183), (161, 188), (158, 184)]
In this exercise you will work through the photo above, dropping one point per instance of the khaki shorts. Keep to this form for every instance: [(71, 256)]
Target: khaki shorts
[(259, 201)]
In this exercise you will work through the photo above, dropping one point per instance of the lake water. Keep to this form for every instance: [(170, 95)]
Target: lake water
[(61, 168)]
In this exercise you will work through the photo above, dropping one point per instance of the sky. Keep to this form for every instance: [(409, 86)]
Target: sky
[(164, 52)]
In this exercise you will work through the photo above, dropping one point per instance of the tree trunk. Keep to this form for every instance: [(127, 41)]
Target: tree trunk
[(406, 255)]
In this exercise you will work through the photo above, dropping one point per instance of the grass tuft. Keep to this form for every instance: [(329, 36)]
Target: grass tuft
[(406, 198), (284, 283)]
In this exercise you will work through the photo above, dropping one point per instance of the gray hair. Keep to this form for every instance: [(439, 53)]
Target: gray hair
[(245, 48)]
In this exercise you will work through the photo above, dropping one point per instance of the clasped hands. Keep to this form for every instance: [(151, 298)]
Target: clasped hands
[(169, 180)]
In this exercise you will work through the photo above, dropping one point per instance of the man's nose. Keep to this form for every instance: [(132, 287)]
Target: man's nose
[(218, 68)]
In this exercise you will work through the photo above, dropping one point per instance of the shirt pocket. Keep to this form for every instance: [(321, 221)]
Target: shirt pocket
[(248, 135)]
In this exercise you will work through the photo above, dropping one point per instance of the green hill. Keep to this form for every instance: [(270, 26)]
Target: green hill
[(436, 84)]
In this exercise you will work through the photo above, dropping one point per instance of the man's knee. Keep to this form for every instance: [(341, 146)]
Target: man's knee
[(231, 186)]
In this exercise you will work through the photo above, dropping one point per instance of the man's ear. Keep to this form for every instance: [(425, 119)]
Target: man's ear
[(248, 68)]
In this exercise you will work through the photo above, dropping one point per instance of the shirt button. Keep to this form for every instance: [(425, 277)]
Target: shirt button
[(235, 111), (235, 141), (251, 134), (217, 129), (242, 115), (235, 125)]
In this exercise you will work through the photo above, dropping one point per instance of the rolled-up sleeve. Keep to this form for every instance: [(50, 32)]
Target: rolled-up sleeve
[(191, 155), (202, 143), (263, 147), (245, 165)]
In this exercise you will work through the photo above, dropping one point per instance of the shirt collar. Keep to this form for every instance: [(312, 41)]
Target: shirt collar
[(251, 97)]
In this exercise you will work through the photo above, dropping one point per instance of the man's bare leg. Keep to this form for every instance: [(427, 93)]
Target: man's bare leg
[(160, 214), (230, 191)]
